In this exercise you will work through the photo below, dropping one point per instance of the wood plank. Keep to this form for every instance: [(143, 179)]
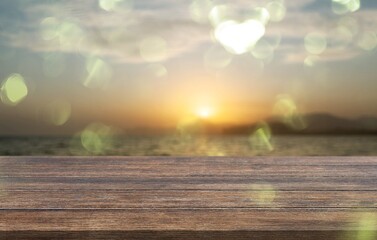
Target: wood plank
[(120, 195), (282, 183), (144, 170), (175, 161), (267, 198), (182, 167), (189, 235), (188, 219)]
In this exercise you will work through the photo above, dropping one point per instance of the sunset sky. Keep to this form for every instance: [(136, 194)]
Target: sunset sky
[(154, 63)]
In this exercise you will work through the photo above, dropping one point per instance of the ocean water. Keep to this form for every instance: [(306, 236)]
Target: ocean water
[(166, 145)]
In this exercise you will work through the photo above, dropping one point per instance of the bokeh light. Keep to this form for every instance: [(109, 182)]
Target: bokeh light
[(70, 35), (276, 10), (315, 43), (239, 38), (153, 49), (200, 9), (219, 14), (311, 61), (260, 139), (58, 112), (67, 33), (98, 138), (114, 5), (263, 50), (50, 28), (99, 73), (14, 89), (368, 226), (287, 109), (345, 6), (342, 37), (344, 34), (262, 194), (368, 41), (261, 14), (350, 23)]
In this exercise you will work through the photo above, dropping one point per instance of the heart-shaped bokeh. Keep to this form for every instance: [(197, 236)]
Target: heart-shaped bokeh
[(239, 38)]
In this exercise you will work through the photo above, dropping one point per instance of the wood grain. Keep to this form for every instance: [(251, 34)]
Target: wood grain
[(185, 219), (187, 235), (323, 196), (107, 199)]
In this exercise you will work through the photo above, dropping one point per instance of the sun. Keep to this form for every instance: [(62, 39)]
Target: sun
[(204, 112)]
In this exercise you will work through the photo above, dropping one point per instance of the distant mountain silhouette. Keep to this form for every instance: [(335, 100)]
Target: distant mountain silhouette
[(317, 123)]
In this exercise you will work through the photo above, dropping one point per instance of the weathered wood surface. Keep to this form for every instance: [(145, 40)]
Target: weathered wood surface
[(315, 197)]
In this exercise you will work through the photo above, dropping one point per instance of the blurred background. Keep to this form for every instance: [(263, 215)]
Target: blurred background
[(188, 78)]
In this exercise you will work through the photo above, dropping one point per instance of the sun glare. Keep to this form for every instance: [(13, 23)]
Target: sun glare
[(204, 112)]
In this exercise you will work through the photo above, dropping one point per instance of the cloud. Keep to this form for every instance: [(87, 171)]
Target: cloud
[(342, 32), (87, 29), (326, 6)]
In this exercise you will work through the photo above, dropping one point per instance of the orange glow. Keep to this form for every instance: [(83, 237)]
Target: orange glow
[(204, 112)]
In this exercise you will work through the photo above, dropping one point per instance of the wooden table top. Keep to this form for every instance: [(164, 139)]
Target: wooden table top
[(189, 197)]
